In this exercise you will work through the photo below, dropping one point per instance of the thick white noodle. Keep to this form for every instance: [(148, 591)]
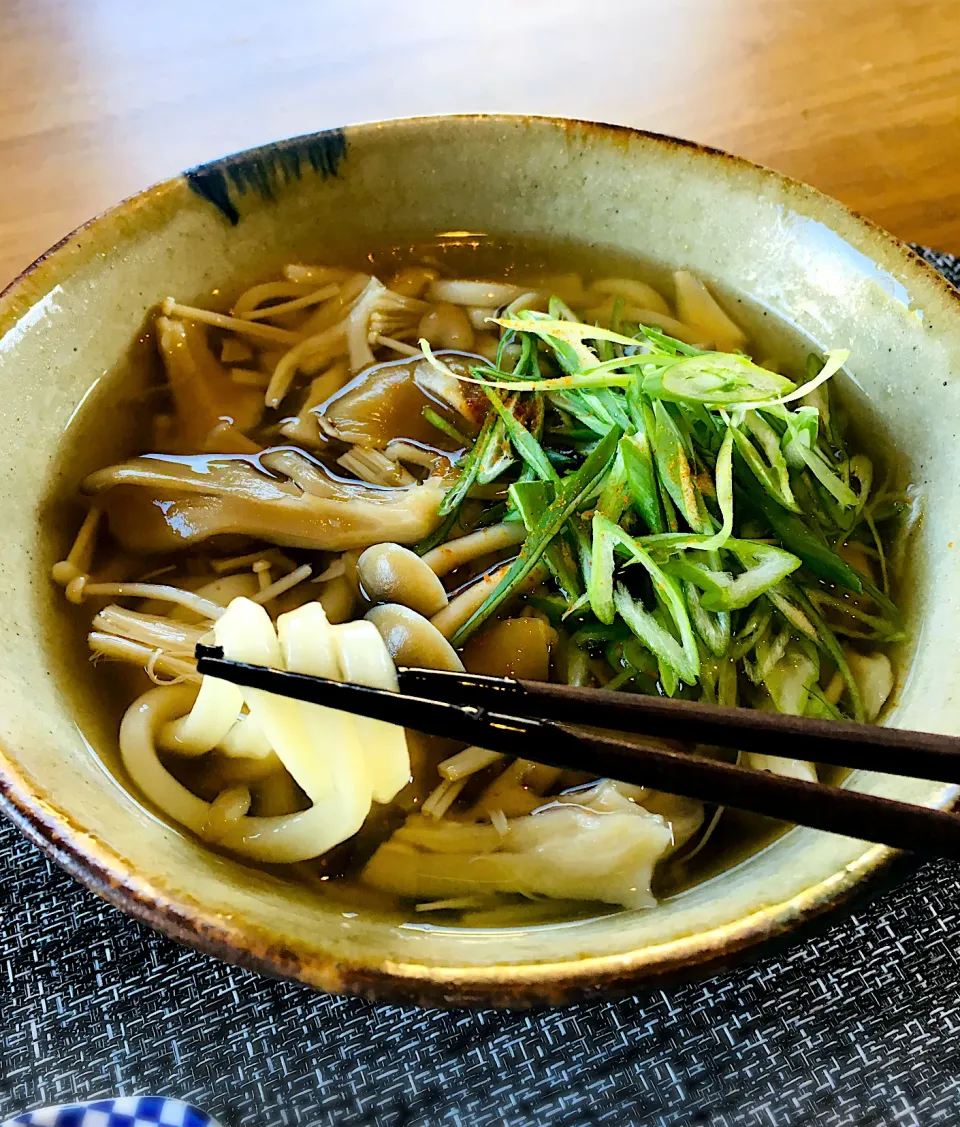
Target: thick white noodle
[(275, 840), (365, 661), (142, 721), (214, 713), (245, 740), (247, 634), (330, 769), (339, 762), (308, 646)]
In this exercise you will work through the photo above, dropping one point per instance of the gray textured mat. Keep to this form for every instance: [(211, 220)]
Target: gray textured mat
[(860, 1025)]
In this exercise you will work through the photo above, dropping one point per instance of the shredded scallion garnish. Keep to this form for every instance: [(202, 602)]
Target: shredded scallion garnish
[(691, 501)]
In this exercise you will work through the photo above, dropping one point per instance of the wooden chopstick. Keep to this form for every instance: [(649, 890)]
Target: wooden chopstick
[(871, 747), (849, 813)]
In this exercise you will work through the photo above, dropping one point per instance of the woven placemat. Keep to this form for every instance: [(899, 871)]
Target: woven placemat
[(860, 1025)]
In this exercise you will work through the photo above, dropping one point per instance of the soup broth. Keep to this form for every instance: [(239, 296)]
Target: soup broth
[(315, 449)]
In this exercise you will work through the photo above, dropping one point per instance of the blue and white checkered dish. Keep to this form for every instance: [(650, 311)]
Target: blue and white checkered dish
[(127, 1111)]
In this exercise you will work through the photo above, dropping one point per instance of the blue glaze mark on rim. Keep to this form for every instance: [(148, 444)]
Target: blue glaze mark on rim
[(266, 170)]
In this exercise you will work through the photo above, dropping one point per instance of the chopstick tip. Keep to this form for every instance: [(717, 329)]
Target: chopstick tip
[(202, 652)]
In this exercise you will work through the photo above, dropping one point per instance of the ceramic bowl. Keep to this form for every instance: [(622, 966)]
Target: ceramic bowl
[(67, 326)]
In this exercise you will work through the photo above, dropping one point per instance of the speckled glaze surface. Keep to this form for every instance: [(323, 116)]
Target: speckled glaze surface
[(66, 328)]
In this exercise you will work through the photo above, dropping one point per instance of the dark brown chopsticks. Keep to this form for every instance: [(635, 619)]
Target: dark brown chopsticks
[(533, 721), (894, 751)]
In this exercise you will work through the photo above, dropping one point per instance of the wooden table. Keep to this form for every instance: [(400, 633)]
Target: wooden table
[(101, 97)]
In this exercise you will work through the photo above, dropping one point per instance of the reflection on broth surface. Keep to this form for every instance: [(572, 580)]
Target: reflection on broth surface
[(542, 464)]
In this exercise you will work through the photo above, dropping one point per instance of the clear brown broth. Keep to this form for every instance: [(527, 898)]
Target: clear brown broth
[(136, 388)]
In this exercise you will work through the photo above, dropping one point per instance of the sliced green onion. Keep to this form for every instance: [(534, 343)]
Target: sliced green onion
[(839, 490), (497, 455), (834, 360), (770, 443), (437, 420), (600, 585), (773, 479), (796, 608), (614, 498), (803, 426), (572, 332), (666, 344), (532, 499), (713, 628), (574, 403), (642, 479), (879, 629), (683, 656), (717, 379), (439, 535), (724, 487), (765, 567), (570, 494), (797, 537), (470, 468), (523, 441), (673, 466)]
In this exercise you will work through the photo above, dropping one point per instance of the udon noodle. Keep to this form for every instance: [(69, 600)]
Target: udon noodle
[(558, 479)]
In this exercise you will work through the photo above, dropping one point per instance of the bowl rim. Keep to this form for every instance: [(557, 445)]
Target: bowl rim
[(105, 871)]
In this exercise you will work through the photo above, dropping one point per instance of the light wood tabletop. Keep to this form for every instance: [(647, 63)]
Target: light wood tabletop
[(99, 98)]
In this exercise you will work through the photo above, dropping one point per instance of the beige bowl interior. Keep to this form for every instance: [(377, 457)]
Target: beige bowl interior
[(69, 323)]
